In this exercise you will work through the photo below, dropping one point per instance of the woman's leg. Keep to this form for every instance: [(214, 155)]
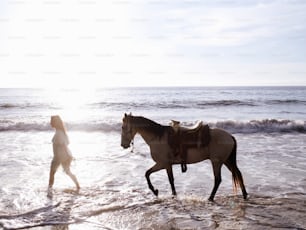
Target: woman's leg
[(53, 168), (67, 170), (73, 177)]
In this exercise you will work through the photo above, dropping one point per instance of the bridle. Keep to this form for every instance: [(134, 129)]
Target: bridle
[(129, 132)]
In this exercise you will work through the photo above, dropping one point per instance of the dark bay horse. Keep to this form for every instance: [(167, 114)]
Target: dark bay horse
[(220, 150)]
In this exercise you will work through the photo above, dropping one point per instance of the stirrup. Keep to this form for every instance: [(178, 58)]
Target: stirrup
[(184, 167)]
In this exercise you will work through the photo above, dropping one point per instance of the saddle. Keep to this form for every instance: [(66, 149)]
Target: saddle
[(181, 139)]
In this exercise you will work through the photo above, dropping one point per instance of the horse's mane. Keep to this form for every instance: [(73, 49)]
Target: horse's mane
[(147, 124)]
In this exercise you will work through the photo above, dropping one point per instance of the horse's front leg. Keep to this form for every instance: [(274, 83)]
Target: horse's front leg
[(155, 168), (217, 173), (171, 179)]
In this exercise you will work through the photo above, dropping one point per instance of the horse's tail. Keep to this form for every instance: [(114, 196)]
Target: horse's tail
[(232, 164)]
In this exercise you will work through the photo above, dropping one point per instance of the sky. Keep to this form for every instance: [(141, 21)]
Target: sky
[(122, 43)]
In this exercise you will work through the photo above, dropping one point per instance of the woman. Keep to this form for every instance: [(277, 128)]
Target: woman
[(62, 155)]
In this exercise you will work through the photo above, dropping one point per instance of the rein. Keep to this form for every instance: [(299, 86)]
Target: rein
[(132, 140), (132, 145)]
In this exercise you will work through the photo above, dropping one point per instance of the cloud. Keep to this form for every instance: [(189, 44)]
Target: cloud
[(126, 43), (226, 23)]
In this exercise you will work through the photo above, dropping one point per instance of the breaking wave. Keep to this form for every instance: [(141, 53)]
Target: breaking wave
[(263, 126), (253, 126), (35, 126)]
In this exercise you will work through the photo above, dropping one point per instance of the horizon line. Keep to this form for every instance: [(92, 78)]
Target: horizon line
[(155, 86)]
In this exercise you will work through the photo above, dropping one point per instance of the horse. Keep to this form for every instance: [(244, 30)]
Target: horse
[(221, 149)]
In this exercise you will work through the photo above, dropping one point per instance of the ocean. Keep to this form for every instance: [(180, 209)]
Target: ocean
[(269, 124)]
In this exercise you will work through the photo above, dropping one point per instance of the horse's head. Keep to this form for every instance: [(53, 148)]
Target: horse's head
[(127, 132)]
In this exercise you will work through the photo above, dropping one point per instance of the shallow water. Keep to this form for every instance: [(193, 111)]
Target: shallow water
[(114, 193)]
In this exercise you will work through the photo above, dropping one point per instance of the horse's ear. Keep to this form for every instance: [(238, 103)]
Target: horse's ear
[(130, 113), (125, 115)]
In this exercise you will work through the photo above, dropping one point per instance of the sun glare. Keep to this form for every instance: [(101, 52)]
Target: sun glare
[(70, 103)]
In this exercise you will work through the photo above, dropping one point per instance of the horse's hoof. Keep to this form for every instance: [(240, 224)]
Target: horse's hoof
[(211, 199), (155, 192)]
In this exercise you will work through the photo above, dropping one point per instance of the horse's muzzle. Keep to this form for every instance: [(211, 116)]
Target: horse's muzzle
[(125, 146)]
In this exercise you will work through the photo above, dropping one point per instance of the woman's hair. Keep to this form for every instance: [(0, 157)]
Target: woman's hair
[(57, 123)]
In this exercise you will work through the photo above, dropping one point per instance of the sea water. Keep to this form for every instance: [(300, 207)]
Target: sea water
[(269, 124)]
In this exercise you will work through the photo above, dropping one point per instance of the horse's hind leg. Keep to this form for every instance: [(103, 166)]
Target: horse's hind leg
[(217, 174), (171, 179), (240, 179), (155, 168), (237, 177)]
